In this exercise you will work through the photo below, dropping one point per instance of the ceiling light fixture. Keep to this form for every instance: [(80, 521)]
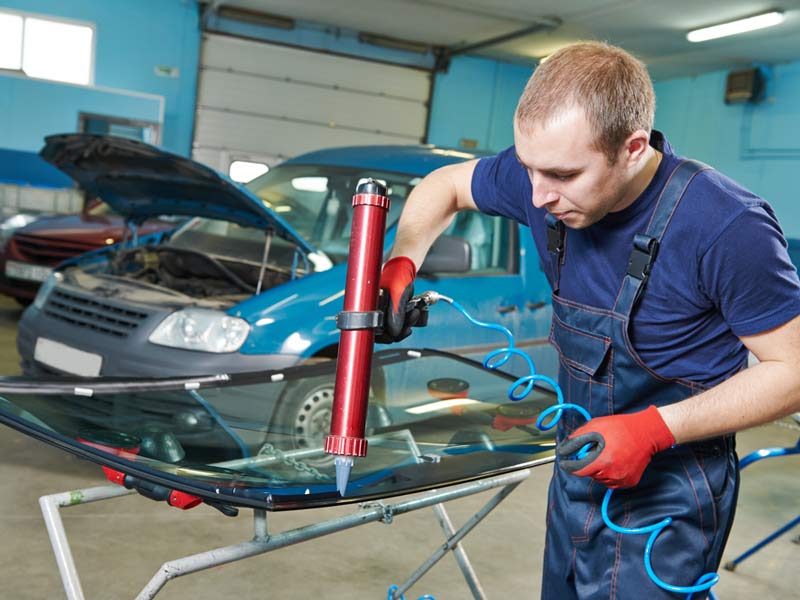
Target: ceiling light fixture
[(769, 19)]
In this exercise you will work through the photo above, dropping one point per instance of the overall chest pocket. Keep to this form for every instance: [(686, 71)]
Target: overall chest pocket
[(585, 373)]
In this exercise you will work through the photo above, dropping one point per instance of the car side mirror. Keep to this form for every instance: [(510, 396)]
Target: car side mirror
[(448, 254)]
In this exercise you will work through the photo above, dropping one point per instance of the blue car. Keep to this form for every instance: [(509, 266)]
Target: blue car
[(255, 279)]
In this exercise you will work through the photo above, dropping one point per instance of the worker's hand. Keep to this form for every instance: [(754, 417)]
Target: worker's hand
[(622, 446), (397, 288)]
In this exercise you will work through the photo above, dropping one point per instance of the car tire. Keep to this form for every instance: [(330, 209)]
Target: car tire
[(302, 418)]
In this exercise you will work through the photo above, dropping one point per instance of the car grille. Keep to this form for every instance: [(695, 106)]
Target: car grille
[(93, 314), (124, 409), (46, 251)]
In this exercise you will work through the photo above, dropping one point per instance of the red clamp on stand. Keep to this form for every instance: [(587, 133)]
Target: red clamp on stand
[(153, 491), (358, 322)]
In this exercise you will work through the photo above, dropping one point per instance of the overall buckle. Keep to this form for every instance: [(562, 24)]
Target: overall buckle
[(555, 233), (645, 249)]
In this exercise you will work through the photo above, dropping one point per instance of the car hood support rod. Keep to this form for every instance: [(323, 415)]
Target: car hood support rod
[(264, 258)]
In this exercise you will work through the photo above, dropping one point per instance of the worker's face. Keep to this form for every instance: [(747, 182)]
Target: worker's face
[(571, 179)]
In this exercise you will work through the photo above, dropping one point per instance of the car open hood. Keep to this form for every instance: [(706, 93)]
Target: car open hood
[(140, 181)]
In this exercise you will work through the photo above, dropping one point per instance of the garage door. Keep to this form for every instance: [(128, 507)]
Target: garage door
[(264, 103)]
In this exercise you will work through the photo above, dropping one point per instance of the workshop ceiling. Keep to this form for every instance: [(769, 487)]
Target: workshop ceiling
[(654, 30)]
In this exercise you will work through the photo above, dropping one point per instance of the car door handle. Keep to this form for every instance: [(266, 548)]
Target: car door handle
[(534, 305), (506, 309)]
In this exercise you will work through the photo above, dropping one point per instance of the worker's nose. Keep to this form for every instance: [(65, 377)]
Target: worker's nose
[(543, 197)]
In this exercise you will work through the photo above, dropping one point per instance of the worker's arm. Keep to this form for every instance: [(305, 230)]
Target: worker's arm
[(764, 392), (430, 208), (626, 443)]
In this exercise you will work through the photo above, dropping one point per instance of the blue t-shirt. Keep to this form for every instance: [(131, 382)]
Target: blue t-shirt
[(722, 269)]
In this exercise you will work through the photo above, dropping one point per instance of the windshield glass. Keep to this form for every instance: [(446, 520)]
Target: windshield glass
[(316, 200), (256, 439)]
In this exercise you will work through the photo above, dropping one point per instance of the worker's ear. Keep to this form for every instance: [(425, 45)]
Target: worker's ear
[(634, 148)]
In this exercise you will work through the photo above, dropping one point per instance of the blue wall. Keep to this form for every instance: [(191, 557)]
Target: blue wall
[(476, 99), (756, 144), (31, 109), (132, 38)]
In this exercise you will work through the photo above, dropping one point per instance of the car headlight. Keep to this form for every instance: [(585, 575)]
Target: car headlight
[(9, 224), (45, 289), (201, 329)]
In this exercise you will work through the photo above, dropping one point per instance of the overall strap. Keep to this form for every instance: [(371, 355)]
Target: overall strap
[(645, 245), (555, 247)]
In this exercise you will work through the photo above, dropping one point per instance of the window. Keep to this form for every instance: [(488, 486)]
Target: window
[(10, 41), (144, 131), (489, 241), (47, 48)]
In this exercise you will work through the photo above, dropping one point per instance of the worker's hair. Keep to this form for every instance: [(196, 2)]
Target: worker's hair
[(610, 85)]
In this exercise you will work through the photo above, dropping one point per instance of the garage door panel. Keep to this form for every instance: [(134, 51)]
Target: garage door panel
[(238, 93), (281, 62), (262, 99), (209, 157), (276, 137)]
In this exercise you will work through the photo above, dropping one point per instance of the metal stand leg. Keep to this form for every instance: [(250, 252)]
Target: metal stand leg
[(731, 565), (58, 537), (460, 553), (748, 460), (263, 542), (447, 526), (452, 544)]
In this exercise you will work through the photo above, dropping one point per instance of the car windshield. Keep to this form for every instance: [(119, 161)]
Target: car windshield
[(315, 200), (256, 439)]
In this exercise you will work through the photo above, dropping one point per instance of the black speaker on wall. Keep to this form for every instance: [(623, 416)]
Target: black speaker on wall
[(746, 85)]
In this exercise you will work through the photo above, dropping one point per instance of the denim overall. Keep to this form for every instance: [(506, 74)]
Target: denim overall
[(696, 484)]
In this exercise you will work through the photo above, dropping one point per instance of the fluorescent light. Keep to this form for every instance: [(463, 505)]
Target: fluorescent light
[(453, 153), (733, 27), (440, 405), (244, 171), (310, 184)]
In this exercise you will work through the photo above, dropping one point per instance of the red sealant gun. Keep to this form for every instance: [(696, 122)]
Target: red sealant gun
[(358, 323)]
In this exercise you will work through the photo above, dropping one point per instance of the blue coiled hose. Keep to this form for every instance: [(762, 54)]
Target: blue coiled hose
[(491, 361), (394, 588)]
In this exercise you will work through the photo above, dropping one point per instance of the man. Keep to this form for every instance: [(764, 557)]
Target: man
[(665, 273)]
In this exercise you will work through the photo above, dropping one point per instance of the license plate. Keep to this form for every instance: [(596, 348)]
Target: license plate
[(66, 358), (19, 270)]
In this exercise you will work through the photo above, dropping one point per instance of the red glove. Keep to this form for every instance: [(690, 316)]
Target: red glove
[(622, 446), (397, 288)]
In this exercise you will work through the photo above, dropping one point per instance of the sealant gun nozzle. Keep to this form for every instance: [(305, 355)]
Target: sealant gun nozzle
[(343, 464)]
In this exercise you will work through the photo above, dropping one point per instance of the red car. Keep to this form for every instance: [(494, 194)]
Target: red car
[(32, 251)]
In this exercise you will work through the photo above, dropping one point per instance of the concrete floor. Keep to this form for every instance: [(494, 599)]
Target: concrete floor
[(119, 544)]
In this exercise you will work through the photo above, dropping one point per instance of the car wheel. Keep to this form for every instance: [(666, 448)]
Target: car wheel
[(302, 417)]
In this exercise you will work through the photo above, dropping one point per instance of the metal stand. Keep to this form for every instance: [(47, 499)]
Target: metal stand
[(263, 542), (748, 460)]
